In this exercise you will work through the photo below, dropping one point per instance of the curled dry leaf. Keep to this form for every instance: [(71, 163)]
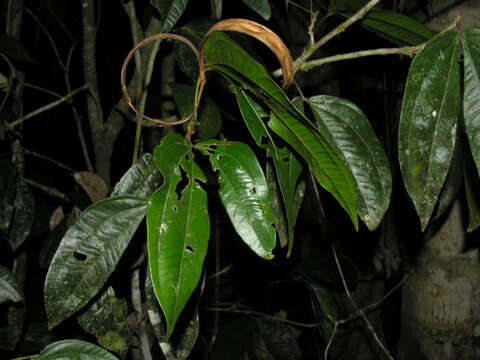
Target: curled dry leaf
[(93, 185), (56, 217), (201, 80), (263, 34), (73, 216)]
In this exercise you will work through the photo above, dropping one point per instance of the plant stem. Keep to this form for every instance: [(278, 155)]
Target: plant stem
[(46, 158), (406, 50), (49, 106), (298, 63), (49, 190)]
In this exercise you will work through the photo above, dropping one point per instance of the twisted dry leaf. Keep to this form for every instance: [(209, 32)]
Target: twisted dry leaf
[(263, 34), (93, 185)]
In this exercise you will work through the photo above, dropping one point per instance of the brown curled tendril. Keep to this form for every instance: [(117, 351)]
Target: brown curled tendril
[(200, 83)]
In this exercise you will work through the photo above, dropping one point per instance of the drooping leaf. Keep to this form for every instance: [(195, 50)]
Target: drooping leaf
[(9, 289), (244, 194), (73, 349), (229, 59), (276, 203), (471, 91), (261, 7), (348, 130), (186, 59), (209, 117), (325, 308), (472, 190), (428, 122), (105, 318), (141, 180), (89, 253), (178, 228), (93, 185), (171, 11), (23, 214)]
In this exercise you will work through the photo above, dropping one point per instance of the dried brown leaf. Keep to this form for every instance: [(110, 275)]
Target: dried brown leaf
[(56, 217), (93, 185), (266, 36)]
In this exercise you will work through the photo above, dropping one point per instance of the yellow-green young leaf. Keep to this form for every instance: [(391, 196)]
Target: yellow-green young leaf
[(428, 122), (178, 228), (471, 91), (74, 349), (244, 194), (88, 254), (348, 131)]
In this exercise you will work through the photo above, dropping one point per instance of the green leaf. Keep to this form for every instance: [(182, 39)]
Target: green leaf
[(193, 31), (171, 11), (209, 117), (261, 7), (9, 289), (348, 131), (105, 318), (141, 180), (178, 228), (23, 214), (229, 59), (10, 334), (280, 339), (325, 307), (428, 122), (73, 349), (472, 190), (244, 194), (89, 253), (14, 48), (395, 27), (471, 90)]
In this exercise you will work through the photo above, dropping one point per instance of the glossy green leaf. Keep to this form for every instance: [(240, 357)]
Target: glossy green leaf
[(23, 214), (73, 349), (428, 122), (330, 172), (229, 59), (141, 180), (288, 168), (276, 203), (209, 117), (348, 130), (471, 90), (244, 194), (178, 228), (171, 11), (9, 289), (89, 253), (261, 7), (106, 319), (472, 190)]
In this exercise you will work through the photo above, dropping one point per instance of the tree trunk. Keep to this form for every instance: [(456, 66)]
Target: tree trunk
[(440, 302)]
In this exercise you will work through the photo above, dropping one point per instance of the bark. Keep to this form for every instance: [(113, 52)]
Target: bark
[(440, 303)]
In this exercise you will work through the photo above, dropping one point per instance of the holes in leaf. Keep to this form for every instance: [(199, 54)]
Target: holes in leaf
[(254, 190), (79, 256), (174, 207), (190, 249), (181, 184)]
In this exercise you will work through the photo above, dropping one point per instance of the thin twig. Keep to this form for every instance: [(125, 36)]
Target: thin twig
[(42, 89), (49, 190), (339, 29), (406, 50), (360, 311), (330, 341), (46, 158), (256, 313), (225, 270), (25, 357), (47, 107)]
